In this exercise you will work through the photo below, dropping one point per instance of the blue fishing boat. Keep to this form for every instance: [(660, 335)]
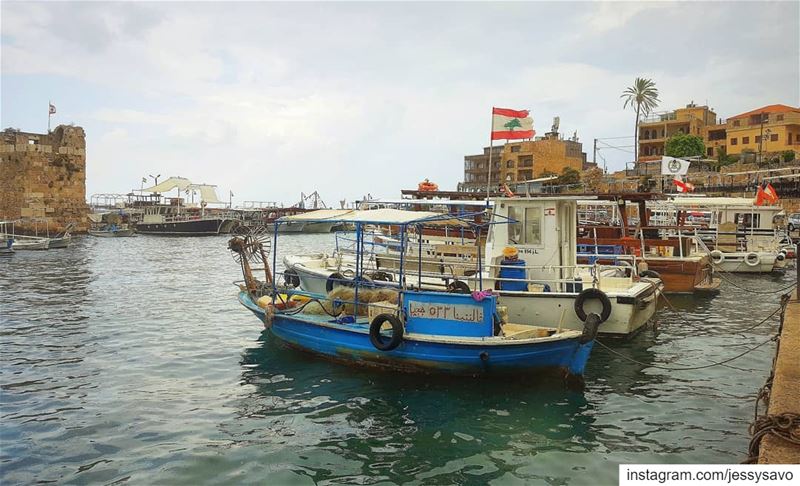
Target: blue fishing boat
[(402, 327)]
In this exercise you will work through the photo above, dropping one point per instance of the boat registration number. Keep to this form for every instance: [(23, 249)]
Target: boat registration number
[(450, 312)]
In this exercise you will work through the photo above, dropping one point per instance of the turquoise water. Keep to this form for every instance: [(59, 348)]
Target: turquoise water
[(130, 360)]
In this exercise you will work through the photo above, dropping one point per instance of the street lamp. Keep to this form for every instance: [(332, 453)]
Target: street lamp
[(155, 178)]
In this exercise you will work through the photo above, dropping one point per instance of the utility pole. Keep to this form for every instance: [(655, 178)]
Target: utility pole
[(594, 154), (761, 140)]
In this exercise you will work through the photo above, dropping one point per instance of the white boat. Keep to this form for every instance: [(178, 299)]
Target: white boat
[(22, 242), (549, 282), (313, 223), (744, 237)]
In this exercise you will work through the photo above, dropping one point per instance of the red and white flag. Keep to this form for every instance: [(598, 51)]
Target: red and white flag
[(682, 186), (771, 193), (511, 124)]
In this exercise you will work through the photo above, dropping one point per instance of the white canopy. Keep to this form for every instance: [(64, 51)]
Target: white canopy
[(375, 216), (207, 193), (169, 185)]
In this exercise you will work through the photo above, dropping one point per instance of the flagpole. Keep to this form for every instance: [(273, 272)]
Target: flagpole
[(49, 102), (491, 151)]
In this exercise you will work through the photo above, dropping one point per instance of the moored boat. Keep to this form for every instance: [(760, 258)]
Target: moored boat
[(409, 330)]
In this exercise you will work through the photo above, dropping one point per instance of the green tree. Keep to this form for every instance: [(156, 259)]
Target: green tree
[(788, 156), (511, 125), (569, 176), (683, 145), (642, 97)]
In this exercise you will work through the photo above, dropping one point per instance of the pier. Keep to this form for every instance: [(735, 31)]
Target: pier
[(778, 430)]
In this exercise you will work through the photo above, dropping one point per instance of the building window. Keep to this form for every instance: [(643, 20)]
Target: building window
[(779, 117), (790, 139), (710, 151), (736, 123), (662, 133), (758, 138), (510, 164), (773, 137), (515, 148), (745, 140), (734, 141)]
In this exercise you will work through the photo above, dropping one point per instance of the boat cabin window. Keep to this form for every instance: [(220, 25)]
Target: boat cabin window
[(748, 220), (527, 226)]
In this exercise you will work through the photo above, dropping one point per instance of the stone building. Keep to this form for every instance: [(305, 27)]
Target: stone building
[(522, 161), (43, 176)]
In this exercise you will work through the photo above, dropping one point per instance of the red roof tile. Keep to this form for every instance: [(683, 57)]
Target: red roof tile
[(767, 109)]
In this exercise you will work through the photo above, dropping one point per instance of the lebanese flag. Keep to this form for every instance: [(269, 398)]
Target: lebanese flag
[(682, 186), (771, 194), (511, 124)]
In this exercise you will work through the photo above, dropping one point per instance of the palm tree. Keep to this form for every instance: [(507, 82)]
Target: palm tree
[(643, 96)]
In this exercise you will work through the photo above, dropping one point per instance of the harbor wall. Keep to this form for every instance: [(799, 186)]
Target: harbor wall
[(43, 176), (784, 398)]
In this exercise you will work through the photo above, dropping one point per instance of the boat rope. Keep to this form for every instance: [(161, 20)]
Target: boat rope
[(721, 272), (785, 426), (687, 368), (784, 302)]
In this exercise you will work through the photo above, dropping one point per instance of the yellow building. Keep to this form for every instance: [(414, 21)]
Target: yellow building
[(770, 129), (523, 161), (693, 120)]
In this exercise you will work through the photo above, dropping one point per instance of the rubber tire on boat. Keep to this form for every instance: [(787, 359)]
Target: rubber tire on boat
[(291, 279), (593, 293), (334, 279), (781, 256), (380, 276), (717, 257), (649, 274), (590, 325), (750, 262), (458, 287), (375, 332)]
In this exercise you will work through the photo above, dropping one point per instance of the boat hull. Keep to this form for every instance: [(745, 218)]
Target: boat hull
[(735, 263), (351, 344), (62, 242), (199, 227), (111, 234)]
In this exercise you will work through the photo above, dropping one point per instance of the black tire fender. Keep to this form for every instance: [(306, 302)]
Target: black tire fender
[(290, 278), (592, 293), (375, 332), (458, 287), (650, 274), (334, 279)]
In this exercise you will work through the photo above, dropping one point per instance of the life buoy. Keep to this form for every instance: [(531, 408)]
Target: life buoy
[(334, 280), (376, 338), (649, 274), (593, 293), (717, 257), (458, 287), (290, 278), (752, 259)]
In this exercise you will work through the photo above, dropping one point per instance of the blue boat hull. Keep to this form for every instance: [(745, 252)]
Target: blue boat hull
[(351, 343)]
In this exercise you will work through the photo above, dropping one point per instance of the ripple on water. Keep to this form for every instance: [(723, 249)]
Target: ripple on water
[(131, 359)]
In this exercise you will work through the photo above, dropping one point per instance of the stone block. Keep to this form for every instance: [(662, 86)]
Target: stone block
[(26, 212)]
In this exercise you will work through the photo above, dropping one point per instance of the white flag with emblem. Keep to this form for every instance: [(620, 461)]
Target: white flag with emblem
[(674, 166)]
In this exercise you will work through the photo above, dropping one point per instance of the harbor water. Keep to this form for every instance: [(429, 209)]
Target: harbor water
[(130, 360)]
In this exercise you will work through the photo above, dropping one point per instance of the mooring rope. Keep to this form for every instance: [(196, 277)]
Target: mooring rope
[(784, 302), (687, 368), (785, 426), (730, 281)]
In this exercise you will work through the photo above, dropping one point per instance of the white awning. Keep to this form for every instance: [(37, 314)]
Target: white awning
[(207, 193), (169, 185), (376, 216)]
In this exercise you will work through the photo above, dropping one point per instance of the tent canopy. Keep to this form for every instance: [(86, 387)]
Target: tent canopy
[(376, 216), (170, 184)]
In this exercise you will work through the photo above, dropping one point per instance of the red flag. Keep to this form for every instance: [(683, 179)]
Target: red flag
[(683, 186), (761, 197), (771, 193)]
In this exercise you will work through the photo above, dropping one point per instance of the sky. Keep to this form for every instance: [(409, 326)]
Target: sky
[(269, 100)]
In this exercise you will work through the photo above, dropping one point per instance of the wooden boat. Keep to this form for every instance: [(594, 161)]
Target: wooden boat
[(419, 331), (548, 284)]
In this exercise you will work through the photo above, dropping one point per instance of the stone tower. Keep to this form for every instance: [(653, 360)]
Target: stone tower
[(44, 176)]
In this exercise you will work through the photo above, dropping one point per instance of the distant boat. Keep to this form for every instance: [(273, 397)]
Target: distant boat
[(112, 231), (63, 239)]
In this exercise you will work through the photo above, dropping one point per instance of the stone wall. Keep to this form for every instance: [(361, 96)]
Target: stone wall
[(44, 177)]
